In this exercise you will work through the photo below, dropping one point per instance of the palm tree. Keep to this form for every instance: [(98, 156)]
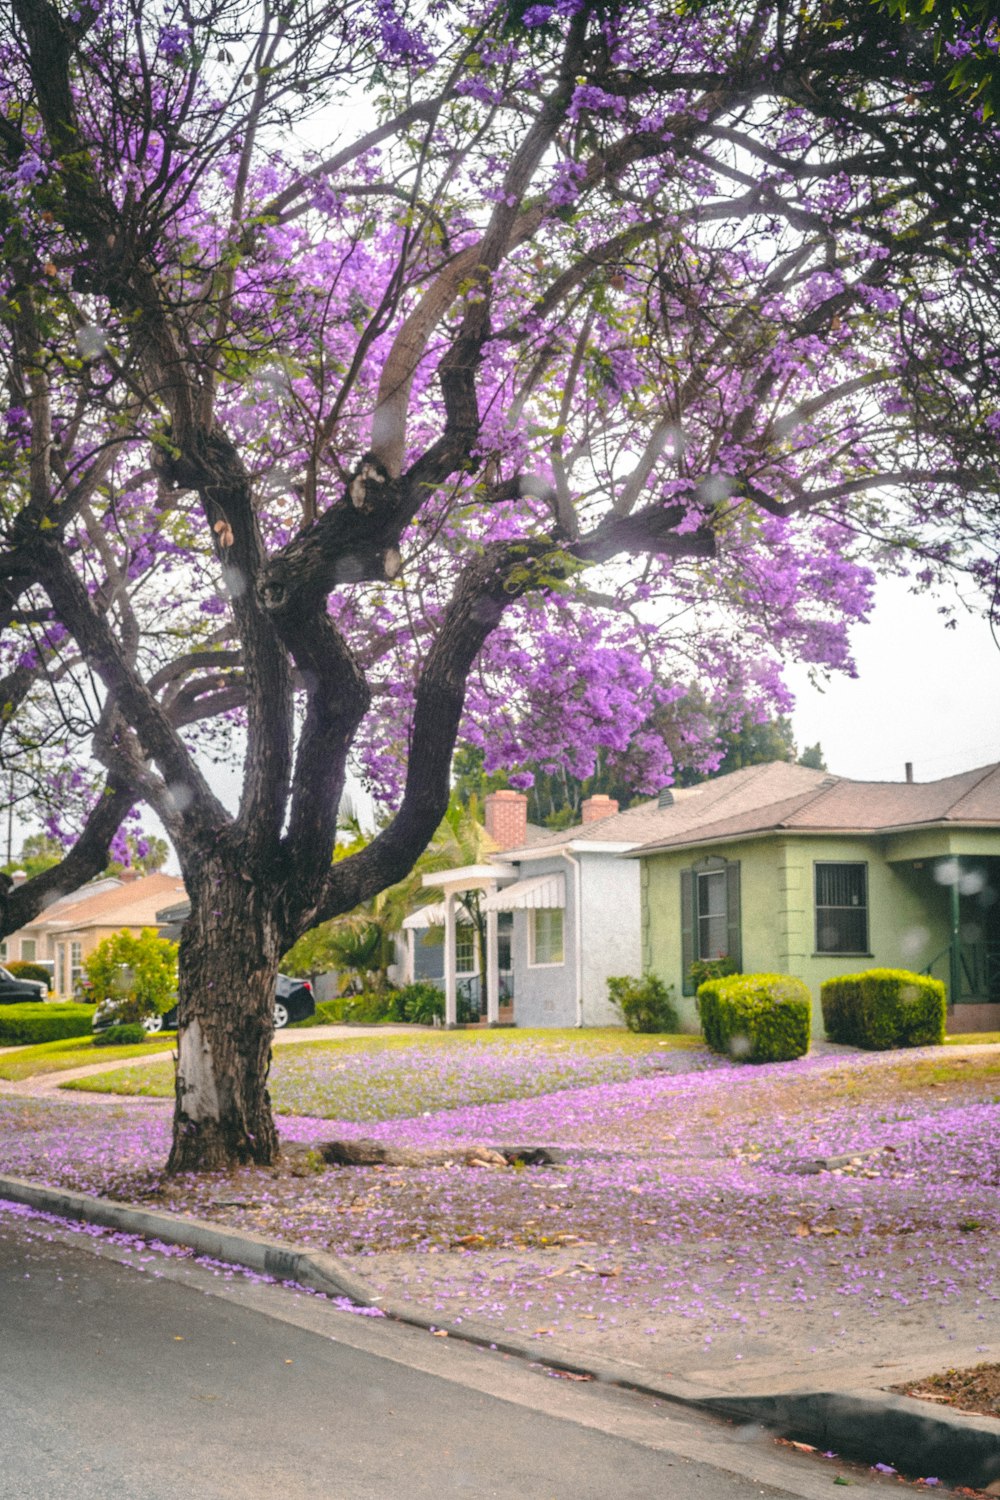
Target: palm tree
[(361, 944)]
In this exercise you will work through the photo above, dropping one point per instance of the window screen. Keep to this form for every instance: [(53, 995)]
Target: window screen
[(841, 908)]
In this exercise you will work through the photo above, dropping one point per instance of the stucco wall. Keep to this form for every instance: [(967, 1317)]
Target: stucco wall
[(545, 995), (611, 931), (907, 912)]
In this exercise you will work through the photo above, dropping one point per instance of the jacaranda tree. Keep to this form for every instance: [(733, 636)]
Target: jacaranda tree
[(376, 373)]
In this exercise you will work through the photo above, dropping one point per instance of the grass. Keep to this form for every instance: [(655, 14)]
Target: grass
[(69, 1052), (382, 1078), (964, 1039)]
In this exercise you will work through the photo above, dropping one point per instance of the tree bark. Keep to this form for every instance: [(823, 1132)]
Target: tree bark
[(229, 956)]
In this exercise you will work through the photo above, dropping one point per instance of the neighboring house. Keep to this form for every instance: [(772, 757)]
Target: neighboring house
[(573, 903), (831, 879), (68, 930)]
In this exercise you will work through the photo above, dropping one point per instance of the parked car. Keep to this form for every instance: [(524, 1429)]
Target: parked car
[(293, 1001), (15, 991)]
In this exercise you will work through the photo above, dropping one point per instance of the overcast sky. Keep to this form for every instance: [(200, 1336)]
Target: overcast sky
[(923, 693)]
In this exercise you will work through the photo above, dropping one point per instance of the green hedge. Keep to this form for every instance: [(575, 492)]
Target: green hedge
[(883, 1008), (756, 1018), (43, 1021), (646, 1004)]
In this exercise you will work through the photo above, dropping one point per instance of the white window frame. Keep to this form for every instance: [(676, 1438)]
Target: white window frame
[(465, 949), (546, 963)]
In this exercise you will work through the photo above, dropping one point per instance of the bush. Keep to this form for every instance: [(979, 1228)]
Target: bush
[(756, 1018), (125, 1035), (328, 1013), (646, 1004), (882, 1008), (422, 1002), (22, 969), (43, 1021)]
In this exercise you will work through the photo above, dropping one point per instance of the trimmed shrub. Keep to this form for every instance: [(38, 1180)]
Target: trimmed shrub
[(756, 1018), (43, 1021), (125, 1035), (22, 969), (646, 1004), (883, 1008)]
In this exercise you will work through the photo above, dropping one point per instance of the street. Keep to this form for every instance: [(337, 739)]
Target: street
[(117, 1385)]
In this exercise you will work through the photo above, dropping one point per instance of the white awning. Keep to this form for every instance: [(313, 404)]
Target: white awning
[(529, 895), (431, 916)]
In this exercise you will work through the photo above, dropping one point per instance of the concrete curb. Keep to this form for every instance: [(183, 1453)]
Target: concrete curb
[(867, 1425)]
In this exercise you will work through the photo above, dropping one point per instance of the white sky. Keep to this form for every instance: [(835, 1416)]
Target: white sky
[(923, 693)]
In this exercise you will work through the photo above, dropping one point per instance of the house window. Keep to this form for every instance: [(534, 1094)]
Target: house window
[(841, 908), (505, 929), (28, 950), (547, 936), (75, 964), (710, 915), (710, 897), (465, 949), (3, 950)]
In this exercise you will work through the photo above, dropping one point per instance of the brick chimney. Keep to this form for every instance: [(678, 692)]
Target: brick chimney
[(597, 807), (506, 817)]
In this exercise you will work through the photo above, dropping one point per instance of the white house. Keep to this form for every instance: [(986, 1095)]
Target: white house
[(573, 905)]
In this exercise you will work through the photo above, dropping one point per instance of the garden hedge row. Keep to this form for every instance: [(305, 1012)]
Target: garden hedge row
[(756, 1018), (882, 1008), (44, 1021)]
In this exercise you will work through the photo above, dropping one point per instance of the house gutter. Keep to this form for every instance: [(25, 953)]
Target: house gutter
[(578, 931)]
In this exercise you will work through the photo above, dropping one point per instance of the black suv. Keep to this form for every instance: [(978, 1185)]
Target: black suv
[(293, 1001), (15, 991)]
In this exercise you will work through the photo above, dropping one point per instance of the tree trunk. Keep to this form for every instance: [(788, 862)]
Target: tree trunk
[(228, 969)]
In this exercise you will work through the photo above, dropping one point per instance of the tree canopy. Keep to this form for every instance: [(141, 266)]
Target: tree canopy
[(378, 374)]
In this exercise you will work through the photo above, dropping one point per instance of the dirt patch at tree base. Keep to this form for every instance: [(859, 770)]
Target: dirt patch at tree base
[(975, 1390)]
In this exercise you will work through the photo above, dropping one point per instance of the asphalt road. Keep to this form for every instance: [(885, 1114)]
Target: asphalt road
[(116, 1385)]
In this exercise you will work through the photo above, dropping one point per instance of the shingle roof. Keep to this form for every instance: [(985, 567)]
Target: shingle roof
[(133, 904), (751, 788), (837, 805)]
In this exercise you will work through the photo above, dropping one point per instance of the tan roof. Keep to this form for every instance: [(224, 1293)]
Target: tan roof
[(837, 805), (130, 904), (692, 807)]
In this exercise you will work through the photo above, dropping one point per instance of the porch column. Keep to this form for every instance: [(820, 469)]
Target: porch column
[(411, 957), (492, 970), (955, 950), (450, 997)]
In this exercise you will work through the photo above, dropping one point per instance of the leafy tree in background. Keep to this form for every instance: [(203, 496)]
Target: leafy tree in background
[(139, 968), (555, 796), (41, 852), (608, 351)]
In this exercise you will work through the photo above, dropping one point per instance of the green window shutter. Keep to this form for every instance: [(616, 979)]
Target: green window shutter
[(687, 930), (734, 936)]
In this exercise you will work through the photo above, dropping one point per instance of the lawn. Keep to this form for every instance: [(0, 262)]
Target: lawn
[(392, 1077), (707, 1211), (70, 1052)]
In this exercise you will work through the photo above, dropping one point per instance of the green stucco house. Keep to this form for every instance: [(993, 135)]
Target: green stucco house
[(830, 876)]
